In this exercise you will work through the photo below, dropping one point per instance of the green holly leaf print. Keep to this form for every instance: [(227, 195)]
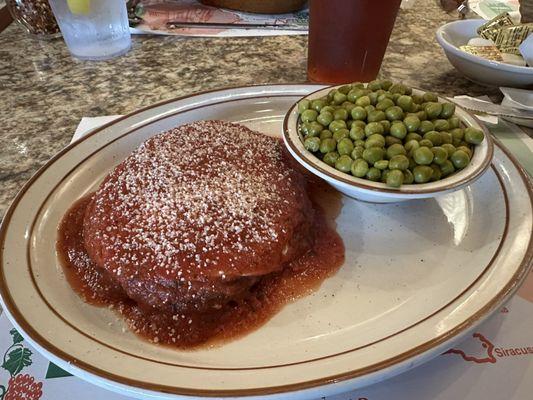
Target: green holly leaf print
[(17, 337), (17, 359)]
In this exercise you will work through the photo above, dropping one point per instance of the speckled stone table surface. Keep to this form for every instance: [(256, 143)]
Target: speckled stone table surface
[(44, 92)]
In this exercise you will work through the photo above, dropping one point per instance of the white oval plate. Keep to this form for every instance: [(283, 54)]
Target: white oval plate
[(418, 276)]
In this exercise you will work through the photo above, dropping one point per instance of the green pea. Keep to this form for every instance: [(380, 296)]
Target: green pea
[(373, 154), (312, 144), (396, 150), (369, 109), (439, 155), (325, 134), (384, 96), (359, 168), (458, 134), (327, 145), (373, 174), (345, 146), (359, 142), (397, 88), (358, 113), (381, 164), (384, 174), (309, 116), (446, 137), (348, 106), (460, 159), (390, 140), (441, 125), (405, 102), (376, 116), (396, 96), (340, 114), (373, 128), (436, 174), (411, 145), (430, 97), (363, 101), (395, 178), (423, 156), (394, 113), (426, 143), (345, 89), (339, 98), (373, 98), (398, 129), (325, 118), (386, 125), (341, 134), (374, 85), (356, 132), (408, 177), (375, 140), (400, 162), (433, 110), (314, 129), (383, 104), (336, 125), (466, 149), (303, 105), (422, 173), (448, 109), (329, 109), (357, 153), (454, 122), (349, 123), (412, 123), (386, 84), (354, 94), (417, 99), (318, 104), (344, 163), (426, 126), (331, 94), (360, 124), (450, 148), (422, 115), (474, 136), (433, 137), (447, 168), (412, 163), (330, 158), (413, 136)]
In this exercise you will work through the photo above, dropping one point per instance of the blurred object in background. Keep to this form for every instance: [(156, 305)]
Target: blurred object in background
[(93, 29), (489, 9), (35, 16), (526, 11), (258, 6), (348, 39), (457, 7)]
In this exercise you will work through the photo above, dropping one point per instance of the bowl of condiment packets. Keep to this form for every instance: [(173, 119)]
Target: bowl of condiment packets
[(494, 53)]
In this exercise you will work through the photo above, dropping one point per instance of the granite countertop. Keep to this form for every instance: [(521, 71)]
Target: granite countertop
[(45, 92)]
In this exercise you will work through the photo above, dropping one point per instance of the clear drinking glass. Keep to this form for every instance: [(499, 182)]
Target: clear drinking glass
[(93, 29)]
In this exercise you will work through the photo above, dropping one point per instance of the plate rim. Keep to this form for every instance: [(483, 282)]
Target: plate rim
[(522, 270)]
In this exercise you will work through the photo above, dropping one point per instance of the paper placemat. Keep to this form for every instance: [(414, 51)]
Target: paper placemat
[(496, 362)]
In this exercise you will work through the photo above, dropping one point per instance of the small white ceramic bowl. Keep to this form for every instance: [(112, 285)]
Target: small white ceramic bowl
[(377, 192), (478, 69)]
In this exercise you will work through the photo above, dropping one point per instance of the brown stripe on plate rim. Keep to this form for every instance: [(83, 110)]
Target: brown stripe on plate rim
[(510, 287)]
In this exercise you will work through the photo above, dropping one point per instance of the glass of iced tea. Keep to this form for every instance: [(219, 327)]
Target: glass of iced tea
[(348, 38)]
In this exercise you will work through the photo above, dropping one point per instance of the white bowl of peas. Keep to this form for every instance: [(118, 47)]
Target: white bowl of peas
[(385, 142)]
